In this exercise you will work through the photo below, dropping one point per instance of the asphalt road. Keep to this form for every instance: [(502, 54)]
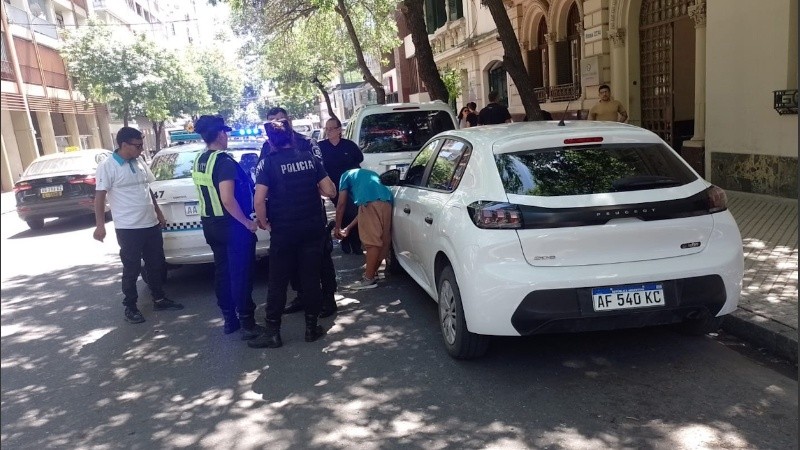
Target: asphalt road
[(75, 375)]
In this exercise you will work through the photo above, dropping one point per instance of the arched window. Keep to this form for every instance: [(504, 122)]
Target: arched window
[(541, 48), (574, 38)]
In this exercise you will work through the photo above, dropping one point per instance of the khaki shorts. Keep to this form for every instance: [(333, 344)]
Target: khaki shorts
[(375, 224)]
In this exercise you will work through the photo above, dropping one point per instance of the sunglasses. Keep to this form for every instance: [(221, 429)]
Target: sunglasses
[(138, 146)]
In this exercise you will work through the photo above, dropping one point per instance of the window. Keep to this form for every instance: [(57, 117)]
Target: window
[(435, 14), (574, 38), (537, 58), (449, 166), (416, 170), (591, 169), (401, 131), (456, 8), (497, 83)]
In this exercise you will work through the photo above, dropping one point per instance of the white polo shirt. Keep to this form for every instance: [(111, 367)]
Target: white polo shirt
[(127, 184)]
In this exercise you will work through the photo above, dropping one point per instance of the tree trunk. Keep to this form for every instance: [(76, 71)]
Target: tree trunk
[(380, 92), (327, 96), (125, 116), (512, 59), (414, 13), (157, 128)]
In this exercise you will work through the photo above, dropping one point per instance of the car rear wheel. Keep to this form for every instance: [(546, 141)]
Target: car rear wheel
[(460, 342), (35, 223)]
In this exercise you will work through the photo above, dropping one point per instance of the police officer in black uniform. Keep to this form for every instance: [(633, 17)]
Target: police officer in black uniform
[(226, 205), (289, 182)]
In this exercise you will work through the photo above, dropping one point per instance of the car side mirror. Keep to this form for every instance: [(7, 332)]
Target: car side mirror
[(390, 177)]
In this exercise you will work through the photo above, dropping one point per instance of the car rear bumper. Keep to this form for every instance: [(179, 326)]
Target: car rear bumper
[(62, 207), (572, 310), (190, 247)]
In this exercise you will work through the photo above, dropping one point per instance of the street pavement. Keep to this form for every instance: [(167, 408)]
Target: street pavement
[(767, 314)]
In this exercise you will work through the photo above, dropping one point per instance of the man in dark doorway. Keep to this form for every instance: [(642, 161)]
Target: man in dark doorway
[(494, 113)]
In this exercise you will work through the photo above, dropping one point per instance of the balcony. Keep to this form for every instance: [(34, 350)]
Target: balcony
[(21, 17), (541, 94), (565, 92)]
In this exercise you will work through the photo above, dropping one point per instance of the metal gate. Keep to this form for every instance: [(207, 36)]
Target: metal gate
[(656, 40)]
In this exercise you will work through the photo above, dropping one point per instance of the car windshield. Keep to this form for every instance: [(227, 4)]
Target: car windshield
[(71, 163), (591, 169), (176, 165), (401, 131)]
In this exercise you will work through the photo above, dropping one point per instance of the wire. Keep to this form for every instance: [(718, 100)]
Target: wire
[(48, 24)]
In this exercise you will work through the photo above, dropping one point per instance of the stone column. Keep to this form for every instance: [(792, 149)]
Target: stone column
[(696, 145), (72, 128), (551, 58), (619, 86), (48, 135), (95, 141)]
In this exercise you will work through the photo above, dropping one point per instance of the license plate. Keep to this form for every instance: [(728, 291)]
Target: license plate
[(192, 209), (628, 297), (51, 191)]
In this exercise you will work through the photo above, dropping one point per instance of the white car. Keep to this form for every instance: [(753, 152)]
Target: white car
[(530, 228), (390, 135), (176, 195)]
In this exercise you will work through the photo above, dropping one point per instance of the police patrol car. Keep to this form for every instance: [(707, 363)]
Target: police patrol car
[(176, 195)]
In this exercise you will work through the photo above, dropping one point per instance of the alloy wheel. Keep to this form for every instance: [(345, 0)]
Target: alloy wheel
[(447, 312)]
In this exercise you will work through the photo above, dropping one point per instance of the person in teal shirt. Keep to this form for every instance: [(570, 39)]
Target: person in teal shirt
[(374, 219)]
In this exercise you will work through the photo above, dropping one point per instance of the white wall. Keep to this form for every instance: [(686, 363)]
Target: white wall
[(743, 68)]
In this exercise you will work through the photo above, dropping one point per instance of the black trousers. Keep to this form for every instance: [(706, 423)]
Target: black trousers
[(295, 252), (350, 213), (234, 248), (136, 244), (327, 275)]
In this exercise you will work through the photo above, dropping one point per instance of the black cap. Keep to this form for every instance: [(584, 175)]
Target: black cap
[(207, 124)]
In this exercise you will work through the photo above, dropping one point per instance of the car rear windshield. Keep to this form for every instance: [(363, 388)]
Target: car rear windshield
[(172, 166), (401, 131), (592, 169), (74, 164)]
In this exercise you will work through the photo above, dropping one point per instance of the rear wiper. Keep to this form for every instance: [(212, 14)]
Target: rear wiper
[(644, 182)]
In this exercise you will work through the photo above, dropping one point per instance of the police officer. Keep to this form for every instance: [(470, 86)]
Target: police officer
[(289, 182), (225, 191)]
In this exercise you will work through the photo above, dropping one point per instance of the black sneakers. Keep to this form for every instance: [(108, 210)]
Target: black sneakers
[(165, 304), (132, 315)]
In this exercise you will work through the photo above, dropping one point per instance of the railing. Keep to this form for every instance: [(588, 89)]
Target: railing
[(565, 92), (20, 17), (541, 94)]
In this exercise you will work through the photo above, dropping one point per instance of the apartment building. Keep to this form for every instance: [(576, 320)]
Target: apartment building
[(683, 68)]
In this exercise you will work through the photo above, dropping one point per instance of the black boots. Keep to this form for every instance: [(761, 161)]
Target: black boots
[(271, 337), (313, 331)]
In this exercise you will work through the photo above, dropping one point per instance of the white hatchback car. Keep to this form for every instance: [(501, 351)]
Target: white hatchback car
[(531, 228), (184, 242)]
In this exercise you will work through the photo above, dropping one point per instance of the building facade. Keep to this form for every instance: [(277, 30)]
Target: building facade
[(682, 68)]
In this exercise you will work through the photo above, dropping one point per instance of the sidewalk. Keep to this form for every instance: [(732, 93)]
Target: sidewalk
[(767, 314)]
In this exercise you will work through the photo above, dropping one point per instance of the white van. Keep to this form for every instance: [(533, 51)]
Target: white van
[(303, 126), (390, 135)]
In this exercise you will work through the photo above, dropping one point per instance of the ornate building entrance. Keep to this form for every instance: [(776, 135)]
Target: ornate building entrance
[(667, 69)]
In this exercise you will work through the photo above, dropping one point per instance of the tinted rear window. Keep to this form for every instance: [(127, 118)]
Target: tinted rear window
[(593, 169), (76, 164), (401, 131)]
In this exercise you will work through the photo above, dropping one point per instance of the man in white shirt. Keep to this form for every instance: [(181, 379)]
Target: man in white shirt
[(125, 180)]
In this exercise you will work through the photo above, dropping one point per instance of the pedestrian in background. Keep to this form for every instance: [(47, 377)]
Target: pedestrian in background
[(124, 179), (289, 182), (607, 108), (302, 142), (340, 155), (225, 192), (374, 201), (494, 113), (467, 117)]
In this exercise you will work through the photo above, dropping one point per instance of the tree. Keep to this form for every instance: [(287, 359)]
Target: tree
[(414, 13), (369, 26), (512, 58), (133, 76), (223, 80)]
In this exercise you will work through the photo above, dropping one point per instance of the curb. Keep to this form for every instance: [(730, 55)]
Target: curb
[(779, 339)]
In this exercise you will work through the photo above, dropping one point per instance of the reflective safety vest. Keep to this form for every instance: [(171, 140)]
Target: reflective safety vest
[(205, 186)]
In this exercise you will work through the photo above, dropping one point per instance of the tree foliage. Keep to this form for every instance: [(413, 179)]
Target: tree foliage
[(222, 78)]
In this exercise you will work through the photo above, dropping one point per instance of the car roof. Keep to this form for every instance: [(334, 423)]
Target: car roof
[(84, 152), (200, 146), (498, 135), (435, 105)]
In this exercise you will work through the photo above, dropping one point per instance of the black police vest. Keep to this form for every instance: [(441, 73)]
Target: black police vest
[(294, 199)]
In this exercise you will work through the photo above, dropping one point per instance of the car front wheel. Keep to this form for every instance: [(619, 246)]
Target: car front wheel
[(460, 342)]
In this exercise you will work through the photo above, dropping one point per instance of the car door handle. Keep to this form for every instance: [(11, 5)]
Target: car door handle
[(429, 220), (407, 210)]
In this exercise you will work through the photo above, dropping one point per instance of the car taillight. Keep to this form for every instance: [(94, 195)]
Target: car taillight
[(24, 186), (82, 179), (495, 215), (717, 199)]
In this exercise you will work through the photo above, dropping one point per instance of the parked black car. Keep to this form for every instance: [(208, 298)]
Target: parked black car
[(58, 185)]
